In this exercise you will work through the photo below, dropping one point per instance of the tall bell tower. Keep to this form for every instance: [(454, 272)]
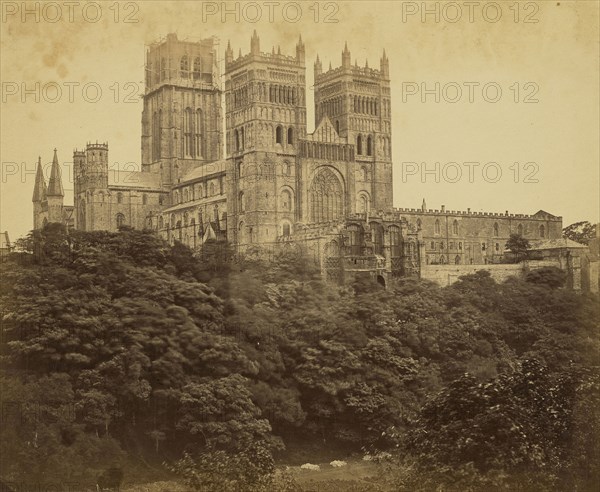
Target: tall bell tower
[(357, 100), (181, 119), (265, 119)]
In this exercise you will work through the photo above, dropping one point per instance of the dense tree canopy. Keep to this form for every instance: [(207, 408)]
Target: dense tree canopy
[(129, 347)]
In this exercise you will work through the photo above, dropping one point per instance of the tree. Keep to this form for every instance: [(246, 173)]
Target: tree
[(518, 246), (552, 277), (580, 232)]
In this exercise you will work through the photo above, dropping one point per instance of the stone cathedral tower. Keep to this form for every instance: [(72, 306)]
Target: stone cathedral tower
[(357, 102), (265, 120), (181, 119)]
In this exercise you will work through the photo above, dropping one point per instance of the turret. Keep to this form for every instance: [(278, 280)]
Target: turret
[(55, 187), (39, 190), (228, 54), (300, 53), (255, 44), (78, 168), (39, 200), (384, 66), (346, 57), (318, 66), (96, 166), (55, 193)]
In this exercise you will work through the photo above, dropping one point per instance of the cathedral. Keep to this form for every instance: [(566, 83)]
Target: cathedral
[(326, 194)]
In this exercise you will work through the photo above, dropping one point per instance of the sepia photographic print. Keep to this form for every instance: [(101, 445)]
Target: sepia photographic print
[(300, 246)]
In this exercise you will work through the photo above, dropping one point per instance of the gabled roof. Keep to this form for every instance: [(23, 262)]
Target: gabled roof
[(203, 171), (134, 179), (542, 214), (325, 132)]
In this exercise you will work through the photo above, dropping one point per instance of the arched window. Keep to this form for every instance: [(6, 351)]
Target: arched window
[(120, 220), (188, 125), (156, 134), (161, 222), (337, 126), (455, 228), (460, 246), (198, 131), (363, 204), (279, 135), (457, 260), (119, 197), (483, 246), (290, 136), (542, 231), (286, 229), (437, 226), (285, 199), (497, 247), (359, 145), (287, 168), (355, 239), (326, 197), (369, 145), (241, 202), (184, 66), (211, 189), (364, 173), (418, 224), (495, 229), (197, 68), (144, 199), (186, 195), (377, 238), (520, 230), (237, 139), (81, 215), (395, 241)]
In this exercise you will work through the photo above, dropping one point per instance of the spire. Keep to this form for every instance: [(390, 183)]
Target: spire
[(228, 53), (255, 43), (384, 65), (318, 66), (346, 57), (240, 53), (366, 63), (278, 50), (300, 53), (39, 190), (55, 187), (424, 206)]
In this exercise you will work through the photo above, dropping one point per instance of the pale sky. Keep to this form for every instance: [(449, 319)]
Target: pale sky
[(554, 61)]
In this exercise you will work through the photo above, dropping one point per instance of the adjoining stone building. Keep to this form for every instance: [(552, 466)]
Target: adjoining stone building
[(264, 181)]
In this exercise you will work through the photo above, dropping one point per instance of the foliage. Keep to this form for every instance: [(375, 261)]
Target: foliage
[(580, 232), (552, 277), (518, 246), (160, 351)]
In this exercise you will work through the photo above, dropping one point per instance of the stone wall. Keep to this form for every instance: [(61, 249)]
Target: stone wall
[(445, 275)]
